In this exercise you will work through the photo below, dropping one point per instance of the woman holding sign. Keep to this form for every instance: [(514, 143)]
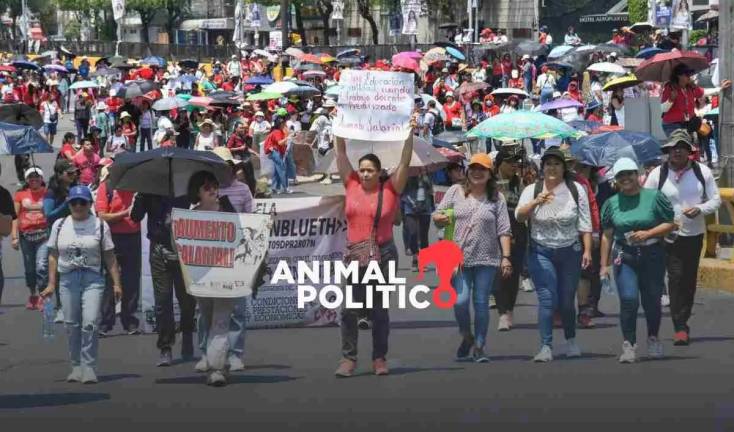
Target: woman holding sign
[(370, 207)]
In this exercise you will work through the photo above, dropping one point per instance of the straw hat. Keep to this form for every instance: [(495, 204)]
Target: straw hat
[(207, 122)]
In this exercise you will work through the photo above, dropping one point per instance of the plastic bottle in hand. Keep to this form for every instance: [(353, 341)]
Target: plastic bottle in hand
[(48, 319), (606, 285)]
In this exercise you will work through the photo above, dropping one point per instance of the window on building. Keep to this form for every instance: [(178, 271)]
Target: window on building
[(521, 33), (354, 32)]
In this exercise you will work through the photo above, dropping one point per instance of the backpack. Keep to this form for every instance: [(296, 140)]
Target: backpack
[(101, 240), (438, 126), (665, 169), (569, 184)]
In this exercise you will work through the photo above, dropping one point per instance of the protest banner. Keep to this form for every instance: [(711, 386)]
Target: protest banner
[(374, 105), (219, 253), (411, 11)]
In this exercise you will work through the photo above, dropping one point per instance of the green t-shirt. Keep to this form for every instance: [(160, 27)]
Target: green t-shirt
[(624, 213)]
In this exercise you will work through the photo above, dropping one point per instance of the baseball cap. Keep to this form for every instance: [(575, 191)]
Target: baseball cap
[(678, 136), (554, 152), (32, 170), (80, 192), (482, 159), (624, 164)]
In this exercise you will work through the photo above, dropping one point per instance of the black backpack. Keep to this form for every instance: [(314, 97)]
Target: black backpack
[(665, 169), (438, 126), (569, 184)]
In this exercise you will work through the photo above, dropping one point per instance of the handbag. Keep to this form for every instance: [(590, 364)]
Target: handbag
[(368, 250)]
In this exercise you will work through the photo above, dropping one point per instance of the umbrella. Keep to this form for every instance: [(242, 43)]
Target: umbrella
[(560, 104), (66, 52), (449, 139), (510, 91), (405, 63), (333, 91), (606, 67), (604, 149), (308, 67), (410, 54), (201, 101), (714, 112), (584, 125), (314, 74), (621, 82), (660, 66), (303, 91), (261, 53), (122, 66), (608, 48), (326, 58), (629, 62), (607, 128), (133, 89), (584, 49), (559, 51), (434, 55), (154, 61), (26, 65), (523, 124), (263, 96), (649, 52), (447, 26), (530, 47), (280, 87), (55, 68), (259, 80), (169, 103), (20, 114), (164, 171), (446, 44), (469, 87), (116, 59), (7, 68), (450, 154), (427, 98), (102, 61), (454, 52), (709, 16), (189, 63), (559, 65), (348, 53), (17, 139), (641, 27), (294, 52), (349, 61), (310, 58), (83, 85), (222, 94)]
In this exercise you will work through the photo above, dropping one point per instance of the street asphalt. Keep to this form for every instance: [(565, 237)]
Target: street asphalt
[(289, 384)]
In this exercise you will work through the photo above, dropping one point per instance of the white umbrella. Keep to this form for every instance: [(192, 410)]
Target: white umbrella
[(84, 85), (169, 103), (280, 87), (510, 91), (606, 67)]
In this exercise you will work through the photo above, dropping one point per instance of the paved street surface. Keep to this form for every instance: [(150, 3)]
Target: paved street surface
[(289, 382)]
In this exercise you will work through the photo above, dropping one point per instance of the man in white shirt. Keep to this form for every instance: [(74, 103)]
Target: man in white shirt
[(571, 37), (501, 37), (692, 190)]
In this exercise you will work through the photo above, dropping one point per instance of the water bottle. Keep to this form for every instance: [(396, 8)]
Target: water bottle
[(48, 319), (606, 285)]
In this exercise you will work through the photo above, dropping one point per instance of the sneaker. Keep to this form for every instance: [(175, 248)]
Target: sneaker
[(216, 379), (380, 367), (75, 375), (527, 285), (478, 355), (596, 313), (187, 346), (133, 331), (235, 363), (492, 302), (414, 266), (364, 324), (544, 355), (654, 348), (202, 365), (165, 359), (103, 333), (505, 322), (681, 338), (462, 354), (585, 321), (88, 376), (59, 316), (346, 368), (32, 302), (573, 350), (289, 190), (629, 353), (665, 300)]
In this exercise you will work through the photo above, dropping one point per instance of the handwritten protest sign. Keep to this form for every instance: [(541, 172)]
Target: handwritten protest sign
[(219, 252), (374, 105)]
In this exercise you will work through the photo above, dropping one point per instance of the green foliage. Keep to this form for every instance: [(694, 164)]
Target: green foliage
[(696, 35), (637, 10), (73, 30)]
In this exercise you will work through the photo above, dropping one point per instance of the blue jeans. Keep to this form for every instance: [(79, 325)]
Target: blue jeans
[(668, 128), (290, 166), (81, 294), (640, 275), (35, 279), (42, 270), (280, 183), (475, 281), (546, 95), (555, 274), (237, 323), (146, 135)]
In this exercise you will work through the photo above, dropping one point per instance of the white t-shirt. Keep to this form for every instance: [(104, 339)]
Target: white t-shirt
[(48, 109), (205, 143), (118, 144), (78, 243)]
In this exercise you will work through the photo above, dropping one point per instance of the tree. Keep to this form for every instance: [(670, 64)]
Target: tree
[(325, 9), (297, 7), (637, 10), (147, 10), (178, 10), (86, 10), (365, 11)]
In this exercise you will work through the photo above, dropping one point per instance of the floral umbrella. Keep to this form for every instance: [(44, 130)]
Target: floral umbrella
[(523, 124)]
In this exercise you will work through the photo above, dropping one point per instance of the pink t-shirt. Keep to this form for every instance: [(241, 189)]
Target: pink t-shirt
[(88, 166), (360, 209)]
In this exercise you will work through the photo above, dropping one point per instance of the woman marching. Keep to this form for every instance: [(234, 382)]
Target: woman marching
[(481, 217)]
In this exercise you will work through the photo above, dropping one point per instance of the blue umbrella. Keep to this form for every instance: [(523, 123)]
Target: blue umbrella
[(559, 51), (453, 52), (154, 61), (20, 139), (649, 52), (20, 64), (259, 80), (602, 150), (585, 125)]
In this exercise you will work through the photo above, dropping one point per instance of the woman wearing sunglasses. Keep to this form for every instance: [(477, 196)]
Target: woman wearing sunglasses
[(79, 246), (634, 221)]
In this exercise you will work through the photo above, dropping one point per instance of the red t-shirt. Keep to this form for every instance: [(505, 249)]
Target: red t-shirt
[(360, 208), (271, 142), (30, 217), (88, 166), (121, 200), (452, 112), (68, 147), (684, 103)]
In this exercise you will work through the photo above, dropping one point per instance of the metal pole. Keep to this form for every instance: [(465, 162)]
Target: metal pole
[(285, 13), (726, 109), (475, 34)]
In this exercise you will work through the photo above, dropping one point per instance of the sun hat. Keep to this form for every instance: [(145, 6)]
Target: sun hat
[(482, 159), (678, 136), (125, 114), (624, 164), (207, 122), (328, 103)]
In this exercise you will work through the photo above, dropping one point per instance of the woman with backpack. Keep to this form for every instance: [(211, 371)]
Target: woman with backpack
[(80, 245), (50, 111), (557, 211)]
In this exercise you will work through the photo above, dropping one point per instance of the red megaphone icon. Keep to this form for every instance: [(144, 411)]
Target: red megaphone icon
[(446, 256)]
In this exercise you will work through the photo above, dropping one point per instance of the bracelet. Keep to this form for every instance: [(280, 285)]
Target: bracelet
[(509, 257)]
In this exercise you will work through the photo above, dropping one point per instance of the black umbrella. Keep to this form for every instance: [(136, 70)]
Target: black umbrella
[(350, 61), (303, 91), (610, 48), (19, 139), (308, 67), (348, 53), (20, 114), (102, 61), (164, 171), (122, 66), (530, 47), (104, 72), (189, 63), (221, 94), (446, 26), (66, 52), (133, 89)]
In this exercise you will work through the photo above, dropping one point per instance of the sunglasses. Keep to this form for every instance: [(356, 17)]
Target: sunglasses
[(78, 202)]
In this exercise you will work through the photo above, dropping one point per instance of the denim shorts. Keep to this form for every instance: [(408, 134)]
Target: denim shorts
[(50, 128)]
